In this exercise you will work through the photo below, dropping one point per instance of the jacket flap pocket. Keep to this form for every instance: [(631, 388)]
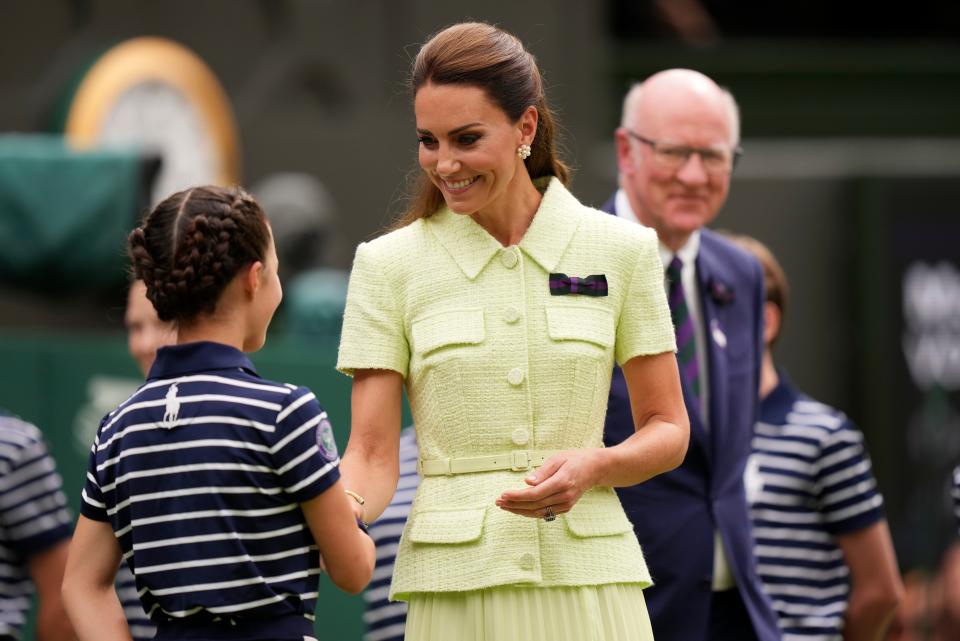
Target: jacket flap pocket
[(452, 327), (597, 520), (591, 324), (447, 526)]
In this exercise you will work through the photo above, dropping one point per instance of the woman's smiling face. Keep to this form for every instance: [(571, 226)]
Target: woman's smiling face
[(468, 145)]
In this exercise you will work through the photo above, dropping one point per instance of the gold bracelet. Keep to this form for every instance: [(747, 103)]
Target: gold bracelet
[(361, 501), (356, 497)]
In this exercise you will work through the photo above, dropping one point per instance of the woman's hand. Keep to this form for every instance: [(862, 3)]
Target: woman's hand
[(558, 484), (659, 445)]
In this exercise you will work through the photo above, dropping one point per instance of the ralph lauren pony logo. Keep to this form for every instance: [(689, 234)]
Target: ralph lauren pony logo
[(594, 285), (720, 292)]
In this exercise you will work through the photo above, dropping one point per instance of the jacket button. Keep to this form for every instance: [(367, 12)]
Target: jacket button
[(515, 376), (520, 436), (511, 315), (509, 258), (526, 561)]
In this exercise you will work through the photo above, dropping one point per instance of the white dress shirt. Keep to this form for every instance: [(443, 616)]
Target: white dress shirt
[(688, 275)]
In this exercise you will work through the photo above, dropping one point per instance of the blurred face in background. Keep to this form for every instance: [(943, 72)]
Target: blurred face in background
[(145, 332), (672, 190)]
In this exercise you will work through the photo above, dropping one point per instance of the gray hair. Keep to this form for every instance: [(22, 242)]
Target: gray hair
[(631, 103)]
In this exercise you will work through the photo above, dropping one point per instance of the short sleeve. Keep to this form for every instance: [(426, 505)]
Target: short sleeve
[(373, 336), (847, 491), (305, 455), (644, 326), (92, 504), (33, 508)]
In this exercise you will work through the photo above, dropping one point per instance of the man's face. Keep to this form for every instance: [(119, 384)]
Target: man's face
[(675, 201)]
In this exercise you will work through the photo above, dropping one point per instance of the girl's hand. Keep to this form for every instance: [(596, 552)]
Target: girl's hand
[(558, 484)]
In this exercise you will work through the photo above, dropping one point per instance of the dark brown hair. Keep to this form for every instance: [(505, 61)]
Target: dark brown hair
[(191, 246), (481, 55), (774, 278)]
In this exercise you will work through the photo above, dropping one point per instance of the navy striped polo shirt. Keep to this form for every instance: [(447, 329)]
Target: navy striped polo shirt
[(808, 480), (200, 474), (33, 516), (385, 620), (141, 628)]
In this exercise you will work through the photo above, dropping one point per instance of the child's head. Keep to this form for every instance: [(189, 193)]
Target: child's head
[(204, 248)]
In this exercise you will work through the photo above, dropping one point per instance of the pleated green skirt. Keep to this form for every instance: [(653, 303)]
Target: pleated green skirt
[(614, 612)]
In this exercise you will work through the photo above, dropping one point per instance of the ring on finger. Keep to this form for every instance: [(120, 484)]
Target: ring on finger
[(548, 514)]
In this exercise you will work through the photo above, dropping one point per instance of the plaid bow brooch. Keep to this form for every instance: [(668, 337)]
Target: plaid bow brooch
[(561, 284)]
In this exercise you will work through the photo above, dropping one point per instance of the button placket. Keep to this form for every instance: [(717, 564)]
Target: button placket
[(513, 313)]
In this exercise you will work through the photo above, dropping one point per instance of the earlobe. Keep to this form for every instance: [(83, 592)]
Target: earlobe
[(252, 280), (771, 322)]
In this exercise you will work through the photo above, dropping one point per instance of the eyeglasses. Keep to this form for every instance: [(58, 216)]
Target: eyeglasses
[(715, 160)]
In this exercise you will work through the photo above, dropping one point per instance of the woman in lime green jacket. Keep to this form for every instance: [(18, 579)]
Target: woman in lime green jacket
[(500, 303)]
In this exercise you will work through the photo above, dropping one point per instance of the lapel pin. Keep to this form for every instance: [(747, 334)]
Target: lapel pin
[(718, 336), (720, 292)]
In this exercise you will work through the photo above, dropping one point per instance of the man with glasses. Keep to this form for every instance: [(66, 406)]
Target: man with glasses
[(676, 148)]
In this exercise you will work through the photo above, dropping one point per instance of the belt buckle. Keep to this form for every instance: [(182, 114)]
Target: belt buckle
[(519, 460)]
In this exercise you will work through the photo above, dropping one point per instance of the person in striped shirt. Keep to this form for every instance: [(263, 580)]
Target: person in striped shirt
[(218, 488), (385, 620), (823, 547), (35, 526)]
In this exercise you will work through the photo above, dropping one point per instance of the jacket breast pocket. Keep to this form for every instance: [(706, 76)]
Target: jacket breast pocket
[(576, 325), (448, 328), (447, 526), (582, 340), (446, 345)]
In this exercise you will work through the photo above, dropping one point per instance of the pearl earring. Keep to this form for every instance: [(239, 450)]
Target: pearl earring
[(523, 151)]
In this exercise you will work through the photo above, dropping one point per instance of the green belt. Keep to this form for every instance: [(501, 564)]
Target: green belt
[(517, 460)]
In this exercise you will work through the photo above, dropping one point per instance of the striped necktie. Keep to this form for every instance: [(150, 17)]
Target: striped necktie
[(683, 325)]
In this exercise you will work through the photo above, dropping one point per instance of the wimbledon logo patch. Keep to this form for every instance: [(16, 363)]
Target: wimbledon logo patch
[(325, 440)]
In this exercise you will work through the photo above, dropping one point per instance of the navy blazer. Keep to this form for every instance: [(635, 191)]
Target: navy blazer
[(675, 514)]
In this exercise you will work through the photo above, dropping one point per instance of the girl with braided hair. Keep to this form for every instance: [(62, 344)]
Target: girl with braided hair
[(218, 488)]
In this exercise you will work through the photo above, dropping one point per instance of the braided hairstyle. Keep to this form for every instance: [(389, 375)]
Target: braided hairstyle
[(191, 246)]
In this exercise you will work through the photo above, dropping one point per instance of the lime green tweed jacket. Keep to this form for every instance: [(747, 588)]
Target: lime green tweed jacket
[(494, 363)]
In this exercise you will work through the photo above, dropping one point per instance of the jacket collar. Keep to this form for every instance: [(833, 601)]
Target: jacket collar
[(545, 241), (189, 358)]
